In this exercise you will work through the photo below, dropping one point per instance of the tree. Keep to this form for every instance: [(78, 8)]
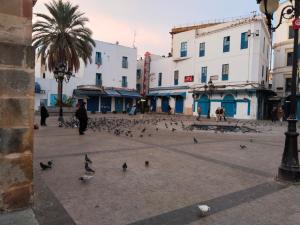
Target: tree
[(62, 37)]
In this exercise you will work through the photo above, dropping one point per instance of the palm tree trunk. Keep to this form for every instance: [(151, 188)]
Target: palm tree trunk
[(59, 90)]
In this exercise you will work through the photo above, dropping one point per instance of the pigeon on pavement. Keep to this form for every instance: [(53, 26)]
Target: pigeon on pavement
[(195, 141), (45, 166), (85, 178), (87, 159), (204, 209), (243, 146), (124, 167), (88, 169)]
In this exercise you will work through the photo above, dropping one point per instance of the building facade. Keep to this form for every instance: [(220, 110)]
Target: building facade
[(283, 59), (233, 55), (107, 84)]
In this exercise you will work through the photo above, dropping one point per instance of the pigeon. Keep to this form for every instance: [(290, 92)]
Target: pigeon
[(124, 167), (195, 141), (88, 169), (50, 163), (243, 146), (143, 130), (204, 209), (45, 166), (85, 178), (173, 129), (146, 163), (87, 159)]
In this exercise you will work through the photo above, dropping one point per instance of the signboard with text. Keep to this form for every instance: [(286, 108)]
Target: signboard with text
[(189, 78), (296, 24)]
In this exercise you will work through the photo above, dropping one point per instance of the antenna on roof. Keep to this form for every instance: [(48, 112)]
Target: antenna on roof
[(254, 13), (134, 36)]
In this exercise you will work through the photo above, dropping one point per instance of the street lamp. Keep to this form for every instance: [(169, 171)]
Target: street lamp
[(61, 74), (289, 169), (210, 87)]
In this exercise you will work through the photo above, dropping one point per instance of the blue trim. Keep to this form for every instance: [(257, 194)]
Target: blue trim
[(129, 94), (224, 76)]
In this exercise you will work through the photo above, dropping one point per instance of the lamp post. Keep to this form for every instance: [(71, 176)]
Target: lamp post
[(210, 87), (61, 74), (289, 169)]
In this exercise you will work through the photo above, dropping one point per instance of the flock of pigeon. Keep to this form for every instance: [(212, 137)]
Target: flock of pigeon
[(129, 128)]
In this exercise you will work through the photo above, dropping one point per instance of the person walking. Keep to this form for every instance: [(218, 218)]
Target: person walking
[(218, 114), (280, 114), (44, 115), (223, 114), (199, 110), (81, 115), (169, 110), (273, 114)]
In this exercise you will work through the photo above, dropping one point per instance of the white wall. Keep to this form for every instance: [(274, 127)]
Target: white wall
[(111, 68), (244, 64)]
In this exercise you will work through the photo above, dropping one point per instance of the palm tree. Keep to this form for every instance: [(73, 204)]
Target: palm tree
[(62, 37)]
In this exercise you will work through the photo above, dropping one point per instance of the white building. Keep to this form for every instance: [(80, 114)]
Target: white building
[(108, 83), (283, 56), (235, 55)]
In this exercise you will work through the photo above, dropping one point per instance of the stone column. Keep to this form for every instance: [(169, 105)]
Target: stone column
[(16, 104)]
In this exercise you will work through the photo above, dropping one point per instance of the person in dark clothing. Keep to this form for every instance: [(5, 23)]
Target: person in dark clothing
[(44, 115), (273, 114), (169, 110), (81, 115)]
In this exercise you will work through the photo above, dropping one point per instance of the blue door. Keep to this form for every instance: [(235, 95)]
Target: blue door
[(164, 104), (153, 104), (93, 104), (203, 102), (298, 108), (179, 105), (106, 104), (229, 105), (119, 104)]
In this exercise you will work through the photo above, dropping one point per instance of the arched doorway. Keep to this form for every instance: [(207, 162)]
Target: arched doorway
[(203, 102), (229, 105)]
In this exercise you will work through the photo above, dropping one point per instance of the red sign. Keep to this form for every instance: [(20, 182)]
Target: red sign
[(296, 24), (189, 79)]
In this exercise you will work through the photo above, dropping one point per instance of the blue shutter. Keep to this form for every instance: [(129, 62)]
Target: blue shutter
[(226, 44), (183, 49), (202, 49), (244, 40), (203, 74), (98, 59)]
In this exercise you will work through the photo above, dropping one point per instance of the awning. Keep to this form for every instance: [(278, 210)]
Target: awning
[(112, 93), (129, 94), (167, 94), (86, 93), (152, 94), (181, 94)]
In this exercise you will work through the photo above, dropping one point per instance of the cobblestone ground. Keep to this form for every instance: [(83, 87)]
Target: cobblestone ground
[(237, 183)]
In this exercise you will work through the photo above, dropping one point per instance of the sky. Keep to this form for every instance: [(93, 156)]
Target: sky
[(147, 23)]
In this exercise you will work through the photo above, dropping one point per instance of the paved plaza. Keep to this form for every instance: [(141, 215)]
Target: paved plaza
[(237, 183)]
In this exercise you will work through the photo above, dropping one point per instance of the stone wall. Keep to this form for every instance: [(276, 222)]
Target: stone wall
[(16, 104)]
